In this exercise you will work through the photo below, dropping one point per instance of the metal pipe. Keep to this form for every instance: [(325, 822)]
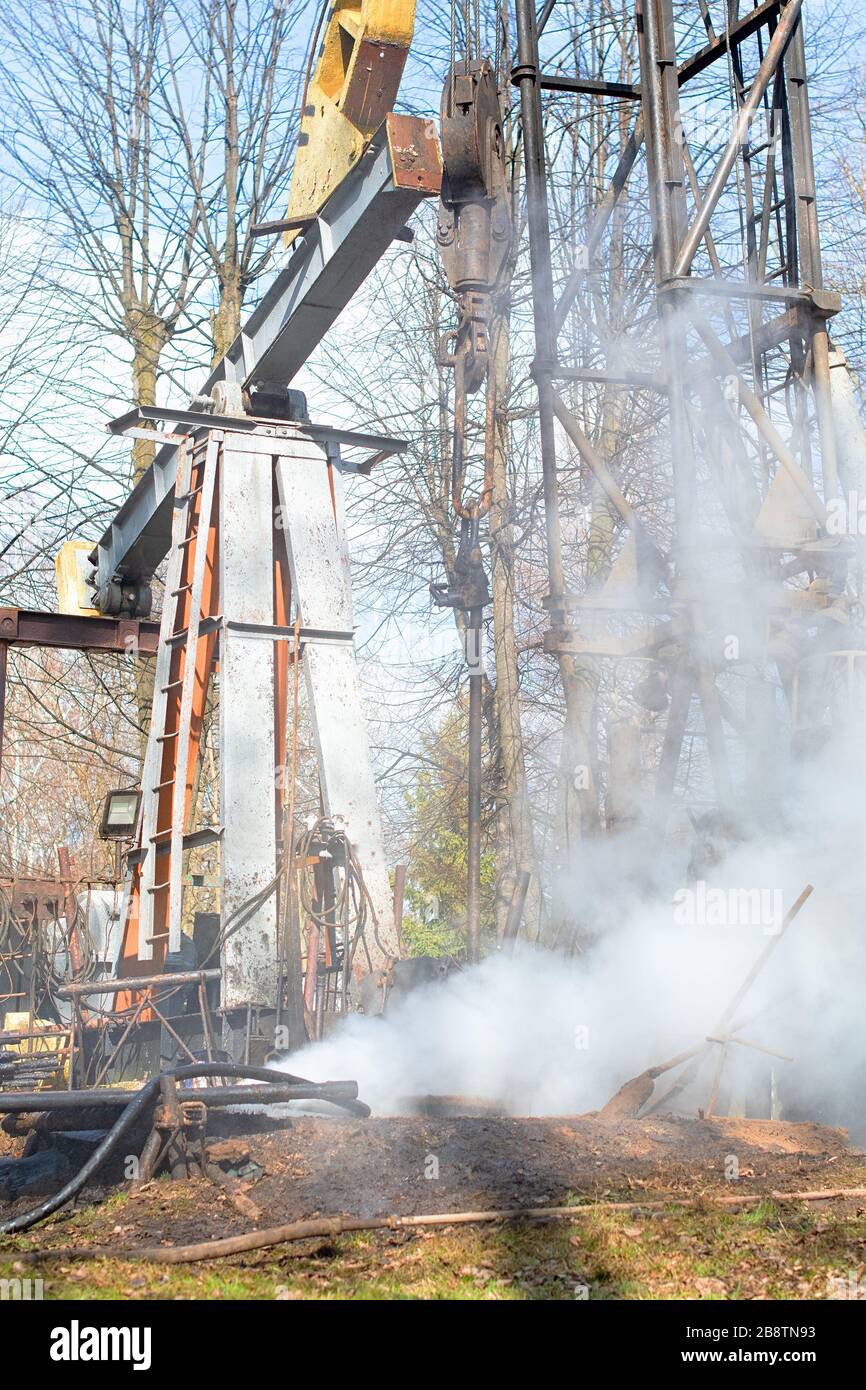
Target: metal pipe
[(473, 858), (134, 1109), (399, 896), (762, 420), (13, 1058), (111, 1095), (544, 15), (212, 1097), (667, 178), (600, 219), (274, 1093), (133, 983), (651, 38), (810, 267), (70, 908), (695, 235), (824, 406), (525, 75), (37, 1033)]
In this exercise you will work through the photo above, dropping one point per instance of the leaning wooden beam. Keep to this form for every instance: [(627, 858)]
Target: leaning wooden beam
[(793, 911), (717, 1081), (723, 1027), (755, 1047), (631, 1097)]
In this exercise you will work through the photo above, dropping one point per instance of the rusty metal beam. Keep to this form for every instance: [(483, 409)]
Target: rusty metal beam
[(26, 627), (587, 86), (740, 30)]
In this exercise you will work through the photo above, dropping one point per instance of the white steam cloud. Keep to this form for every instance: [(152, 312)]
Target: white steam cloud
[(545, 1034)]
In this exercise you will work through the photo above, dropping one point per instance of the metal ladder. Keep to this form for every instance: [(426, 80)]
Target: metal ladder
[(164, 778)]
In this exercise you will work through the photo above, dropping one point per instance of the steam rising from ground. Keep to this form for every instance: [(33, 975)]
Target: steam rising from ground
[(547, 1034)]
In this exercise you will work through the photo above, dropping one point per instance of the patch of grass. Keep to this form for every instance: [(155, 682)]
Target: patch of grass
[(761, 1214), (765, 1251)]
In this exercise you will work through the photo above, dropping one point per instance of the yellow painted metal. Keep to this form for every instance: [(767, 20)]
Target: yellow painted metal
[(352, 88), (72, 569)]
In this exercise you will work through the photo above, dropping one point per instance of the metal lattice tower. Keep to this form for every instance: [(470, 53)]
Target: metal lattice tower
[(742, 587)]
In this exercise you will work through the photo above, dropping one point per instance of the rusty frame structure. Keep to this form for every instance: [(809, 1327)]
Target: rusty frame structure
[(743, 384)]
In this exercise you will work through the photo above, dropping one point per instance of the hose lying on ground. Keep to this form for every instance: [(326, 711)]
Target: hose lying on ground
[(340, 1225), (137, 1106)]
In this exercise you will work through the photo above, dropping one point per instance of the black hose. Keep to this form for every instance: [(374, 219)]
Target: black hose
[(213, 1098), (133, 1111)]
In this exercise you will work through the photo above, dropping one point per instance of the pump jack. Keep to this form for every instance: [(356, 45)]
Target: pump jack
[(245, 498), (244, 494)]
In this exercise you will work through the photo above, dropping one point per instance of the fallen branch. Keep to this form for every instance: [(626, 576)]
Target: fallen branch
[(342, 1225)]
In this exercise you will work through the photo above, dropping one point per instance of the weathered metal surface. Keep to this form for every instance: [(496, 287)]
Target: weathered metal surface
[(329, 262), (192, 608), (27, 627), (473, 239), (353, 84), (713, 189), (415, 156), (774, 165), (317, 557), (736, 31), (380, 446), (248, 850), (474, 230), (168, 980), (212, 1097)]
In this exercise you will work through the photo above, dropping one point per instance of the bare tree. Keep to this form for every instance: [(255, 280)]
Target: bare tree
[(151, 133), (243, 99)]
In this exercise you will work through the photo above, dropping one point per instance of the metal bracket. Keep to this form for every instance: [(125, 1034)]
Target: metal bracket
[(381, 446), (273, 633)]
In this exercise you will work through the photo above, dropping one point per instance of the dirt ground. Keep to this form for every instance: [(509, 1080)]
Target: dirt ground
[(374, 1167), (368, 1168), (329, 1166)]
